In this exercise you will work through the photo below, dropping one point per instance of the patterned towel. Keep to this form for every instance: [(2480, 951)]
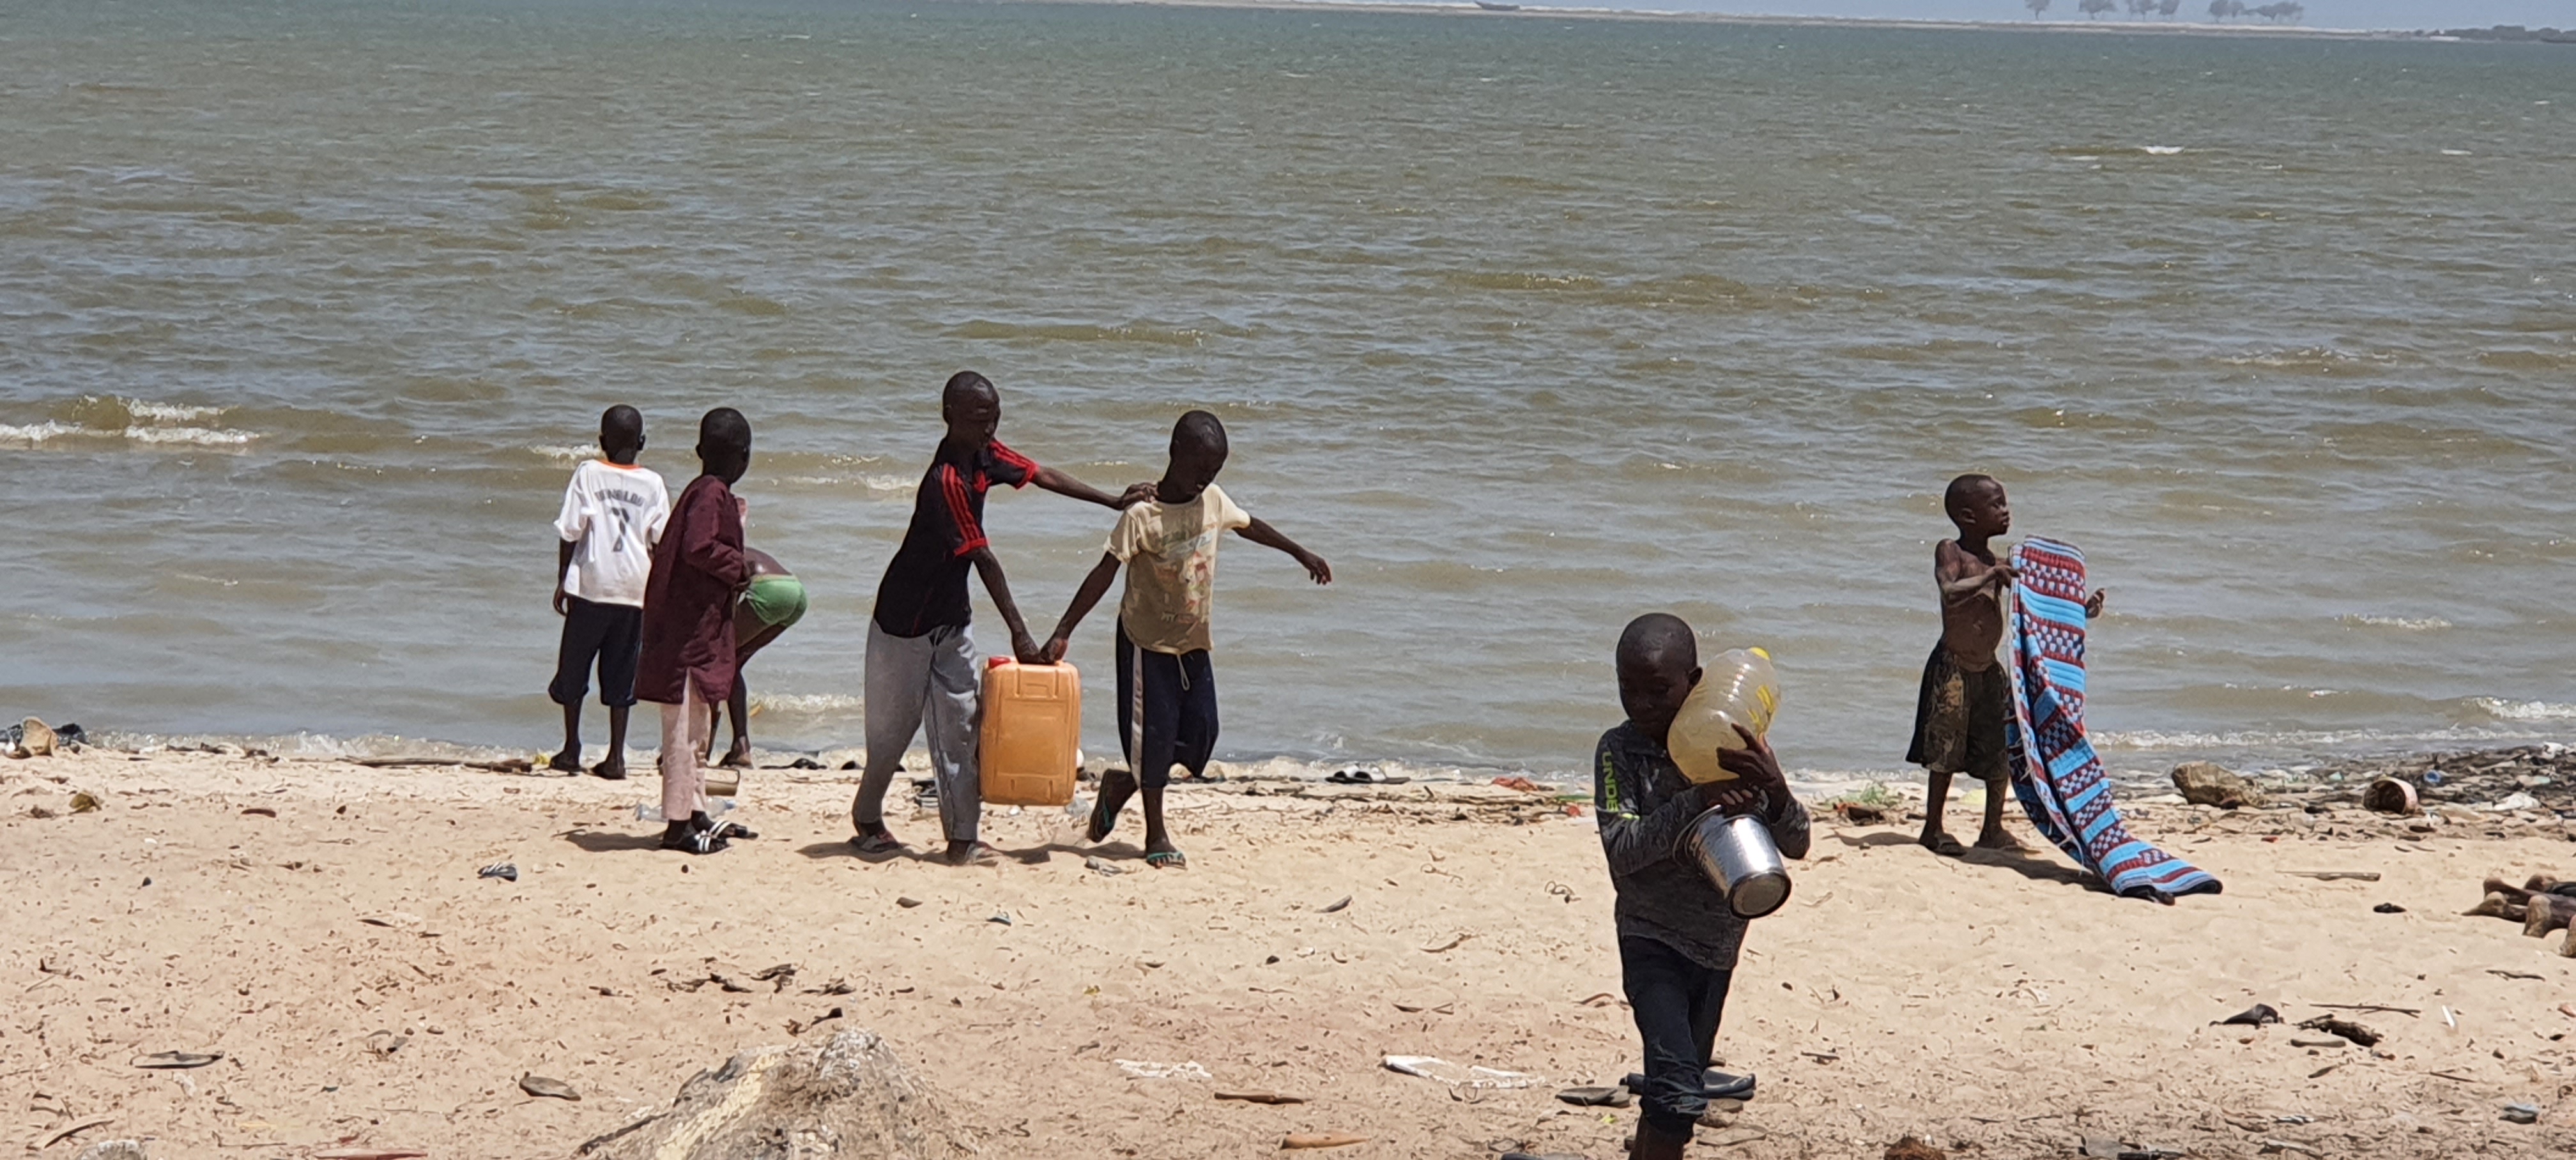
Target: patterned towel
[(2064, 789)]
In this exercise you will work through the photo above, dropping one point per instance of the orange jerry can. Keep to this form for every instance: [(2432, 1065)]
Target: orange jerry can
[(1032, 739)]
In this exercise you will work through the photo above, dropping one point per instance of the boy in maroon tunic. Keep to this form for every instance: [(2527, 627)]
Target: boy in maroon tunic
[(688, 660)]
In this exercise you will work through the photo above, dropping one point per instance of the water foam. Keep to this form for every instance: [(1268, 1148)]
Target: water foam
[(168, 412), (192, 436), (2406, 623), (39, 432), (2524, 710)]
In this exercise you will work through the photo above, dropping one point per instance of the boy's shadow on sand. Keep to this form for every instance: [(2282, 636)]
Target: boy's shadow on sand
[(1038, 855), (2035, 867), (611, 841)]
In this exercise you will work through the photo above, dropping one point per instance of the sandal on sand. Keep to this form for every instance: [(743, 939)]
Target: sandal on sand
[(735, 830), (1167, 860), (877, 844), (1949, 847), (695, 842), (605, 772), (1119, 782), (975, 854)]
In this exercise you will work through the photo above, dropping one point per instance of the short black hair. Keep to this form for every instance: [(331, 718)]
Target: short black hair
[(1658, 634), (964, 385), (621, 426), (1965, 486), (724, 429), (1198, 429)]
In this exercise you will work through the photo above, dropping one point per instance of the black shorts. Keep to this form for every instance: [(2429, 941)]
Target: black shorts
[(611, 634), (1959, 719), (1166, 711)]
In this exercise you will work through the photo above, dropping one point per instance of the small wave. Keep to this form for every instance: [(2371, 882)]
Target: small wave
[(809, 704), (2457, 153), (2524, 710), (39, 432), (985, 329), (168, 412), (2408, 623), (1513, 280), (569, 453), (2321, 359), (193, 436), (2161, 150)]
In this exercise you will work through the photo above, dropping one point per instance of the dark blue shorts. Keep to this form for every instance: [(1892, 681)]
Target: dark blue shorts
[(1166, 711), (612, 635)]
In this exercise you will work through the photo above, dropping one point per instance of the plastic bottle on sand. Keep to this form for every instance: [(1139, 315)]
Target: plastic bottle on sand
[(1738, 687)]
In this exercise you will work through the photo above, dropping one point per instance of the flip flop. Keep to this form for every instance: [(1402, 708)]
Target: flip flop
[(1950, 848), (977, 854), (734, 830), (1167, 860), (1097, 830), (877, 844), (1352, 775)]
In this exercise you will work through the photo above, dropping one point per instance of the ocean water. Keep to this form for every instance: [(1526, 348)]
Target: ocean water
[(1528, 324)]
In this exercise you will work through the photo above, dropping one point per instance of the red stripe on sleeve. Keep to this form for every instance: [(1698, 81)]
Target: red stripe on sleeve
[(1027, 467), (960, 510)]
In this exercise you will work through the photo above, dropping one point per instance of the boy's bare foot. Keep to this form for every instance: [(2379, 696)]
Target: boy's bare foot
[(568, 761), (2547, 913), (973, 854), (738, 756), (1940, 842), (2511, 892), (1116, 786), (2498, 904), (2001, 840), (613, 769)]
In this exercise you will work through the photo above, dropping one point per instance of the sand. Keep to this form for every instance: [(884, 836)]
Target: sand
[(1996, 1007)]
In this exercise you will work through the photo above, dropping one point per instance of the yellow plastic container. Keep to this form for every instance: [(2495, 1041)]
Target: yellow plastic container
[(1737, 688), (1032, 741)]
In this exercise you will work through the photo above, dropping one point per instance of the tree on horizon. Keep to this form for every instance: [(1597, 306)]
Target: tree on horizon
[(2223, 9), (2095, 8), (2036, 7), (2167, 8), (2286, 12)]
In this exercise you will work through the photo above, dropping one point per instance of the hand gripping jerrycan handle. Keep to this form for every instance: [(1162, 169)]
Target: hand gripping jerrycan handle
[(1739, 687)]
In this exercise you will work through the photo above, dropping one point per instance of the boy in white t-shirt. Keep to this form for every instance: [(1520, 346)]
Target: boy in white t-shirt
[(612, 515), (1166, 684)]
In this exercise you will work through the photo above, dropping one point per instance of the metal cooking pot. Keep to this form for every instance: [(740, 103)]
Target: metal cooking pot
[(1740, 859)]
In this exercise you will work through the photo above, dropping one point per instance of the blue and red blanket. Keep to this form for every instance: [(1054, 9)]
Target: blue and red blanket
[(2056, 774)]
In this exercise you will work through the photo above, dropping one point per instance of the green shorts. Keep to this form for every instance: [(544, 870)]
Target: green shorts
[(778, 601)]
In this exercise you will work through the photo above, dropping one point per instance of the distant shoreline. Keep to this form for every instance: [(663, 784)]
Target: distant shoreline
[(1465, 8)]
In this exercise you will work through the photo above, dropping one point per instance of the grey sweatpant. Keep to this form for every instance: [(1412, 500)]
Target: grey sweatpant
[(913, 682)]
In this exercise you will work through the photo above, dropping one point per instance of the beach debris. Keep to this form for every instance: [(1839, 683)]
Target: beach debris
[(2206, 783), (843, 1099), (2522, 1113), (369, 1153), (1597, 1097), (1911, 1147), (1449, 944), (77, 1129), (85, 802), (835, 987), (1520, 783), (1096, 866), (40, 813), (907, 902), (2516, 800), (384, 1043), (777, 977), (1863, 814), (392, 920), (552, 1089), (2100, 1148), (177, 1060), (1320, 1140), (2546, 913), (2336, 875), (501, 870), (2343, 1027), (2254, 1016), (2388, 908), (1001, 916), (33, 740), (2295, 1041), (2513, 974), (2434, 778), (1561, 890), (258, 812), (1442, 1071), (800, 1027), (118, 1150), (2498, 905), (1261, 1097), (2273, 1146), (1147, 1069), (2388, 795), (1336, 906)]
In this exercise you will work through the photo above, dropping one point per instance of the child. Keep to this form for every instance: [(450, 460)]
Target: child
[(921, 657), (1960, 714), (688, 656), (773, 604), (1166, 686), (1678, 938), (612, 517)]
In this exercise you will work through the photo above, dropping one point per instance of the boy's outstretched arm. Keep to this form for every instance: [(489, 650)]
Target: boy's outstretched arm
[(995, 583), (1269, 537), (1085, 599), (1062, 484)]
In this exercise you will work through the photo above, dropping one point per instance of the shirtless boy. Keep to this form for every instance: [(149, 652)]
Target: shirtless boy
[(1960, 715)]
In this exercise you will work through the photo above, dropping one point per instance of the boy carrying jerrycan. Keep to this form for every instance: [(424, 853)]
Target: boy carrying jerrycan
[(1677, 785)]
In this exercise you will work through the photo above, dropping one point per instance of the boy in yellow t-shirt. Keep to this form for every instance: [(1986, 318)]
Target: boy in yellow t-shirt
[(1166, 685)]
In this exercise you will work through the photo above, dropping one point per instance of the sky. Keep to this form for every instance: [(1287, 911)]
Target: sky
[(2321, 13)]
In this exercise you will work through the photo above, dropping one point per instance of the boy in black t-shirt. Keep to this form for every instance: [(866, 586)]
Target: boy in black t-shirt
[(921, 657)]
